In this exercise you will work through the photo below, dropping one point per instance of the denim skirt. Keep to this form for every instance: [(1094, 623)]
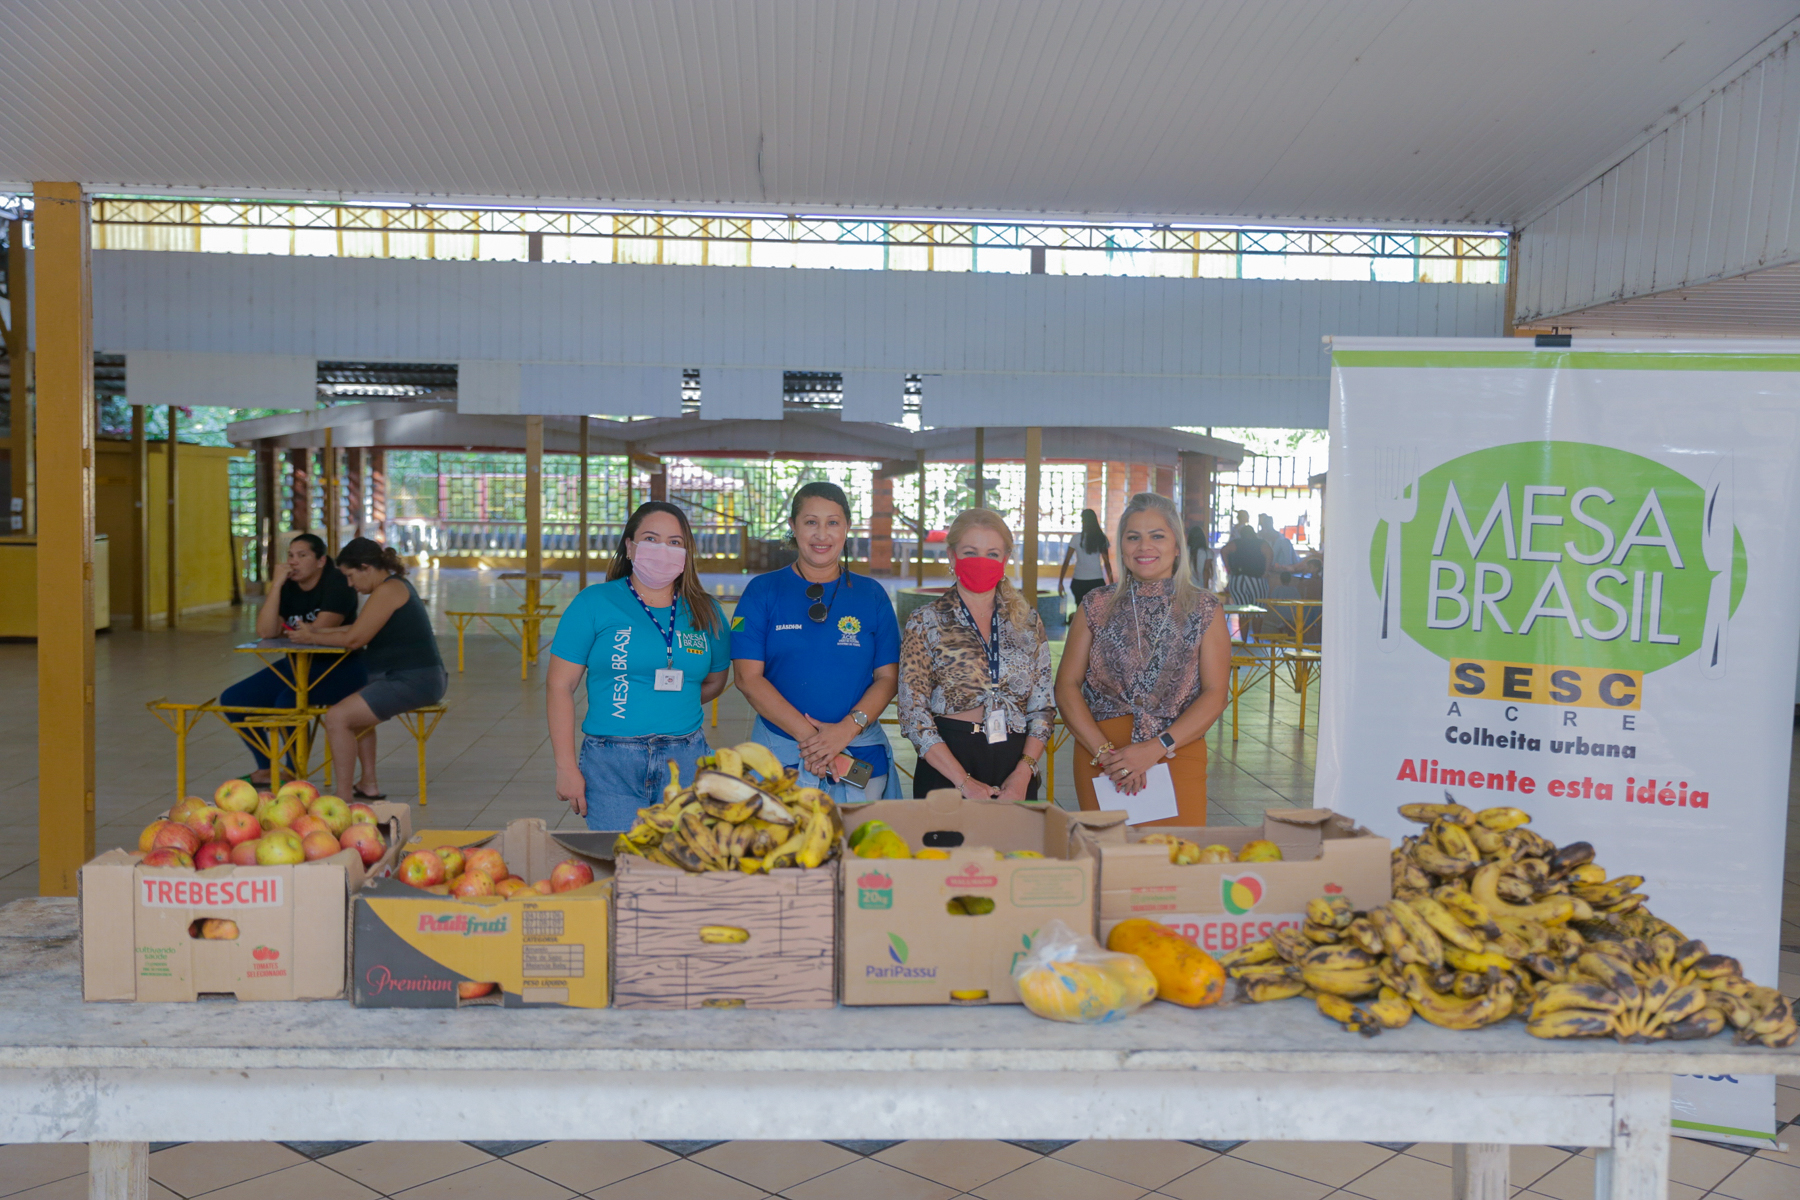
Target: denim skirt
[(624, 774)]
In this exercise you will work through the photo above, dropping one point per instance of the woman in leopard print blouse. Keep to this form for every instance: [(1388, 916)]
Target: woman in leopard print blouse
[(975, 681)]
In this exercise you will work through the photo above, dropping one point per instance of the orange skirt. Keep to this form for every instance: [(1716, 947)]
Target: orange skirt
[(1188, 768)]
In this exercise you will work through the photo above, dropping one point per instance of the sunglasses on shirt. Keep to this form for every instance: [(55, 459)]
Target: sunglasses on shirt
[(818, 612)]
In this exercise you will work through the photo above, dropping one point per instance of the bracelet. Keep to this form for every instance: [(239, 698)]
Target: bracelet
[(1102, 748)]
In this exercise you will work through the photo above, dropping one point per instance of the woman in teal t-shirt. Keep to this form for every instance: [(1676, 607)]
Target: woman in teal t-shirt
[(655, 649)]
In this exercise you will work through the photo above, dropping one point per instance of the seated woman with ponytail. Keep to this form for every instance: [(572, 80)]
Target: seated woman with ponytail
[(305, 591), (976, 691), (399, 652)]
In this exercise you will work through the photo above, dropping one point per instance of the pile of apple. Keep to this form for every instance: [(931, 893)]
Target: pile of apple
[(244, 827), (482, 872)]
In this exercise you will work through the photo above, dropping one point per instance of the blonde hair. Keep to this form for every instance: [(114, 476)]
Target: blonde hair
[(1186, 594), (1006, 596)]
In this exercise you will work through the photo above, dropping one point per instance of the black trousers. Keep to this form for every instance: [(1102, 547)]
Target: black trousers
[(988, 762), (1081, 587)]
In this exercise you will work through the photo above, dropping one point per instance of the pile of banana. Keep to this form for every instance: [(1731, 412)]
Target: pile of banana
[(743, 812), (1489, 920)]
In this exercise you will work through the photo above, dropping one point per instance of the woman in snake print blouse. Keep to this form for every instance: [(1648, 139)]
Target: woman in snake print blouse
[(1146, 669)]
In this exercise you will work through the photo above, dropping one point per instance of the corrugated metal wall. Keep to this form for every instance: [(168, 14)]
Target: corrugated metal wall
[(1187, 352), (1710, 197)]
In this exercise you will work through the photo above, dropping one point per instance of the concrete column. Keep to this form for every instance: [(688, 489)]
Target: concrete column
[(300, 519), (333, 492), (881, 527), (534, 511), (140, 520), (1117, 490), (1028, 558), (20, 357), (268, 509), (919, 548), (378, 491), (355, 491), (980, 468), (1096, 489), (65, 551), (172, 543), (581, 540)]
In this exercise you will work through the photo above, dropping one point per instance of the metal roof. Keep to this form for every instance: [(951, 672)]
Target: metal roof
[(801, 434), (1425, 112)]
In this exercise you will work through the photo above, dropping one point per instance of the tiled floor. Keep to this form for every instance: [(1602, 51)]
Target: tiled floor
[(489, 763)]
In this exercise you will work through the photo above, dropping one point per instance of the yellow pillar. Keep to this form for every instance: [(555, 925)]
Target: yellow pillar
[(581, 540), (534, 511), (173, 512), (140, 520), (65, 565), (1028, 562), (18, 353)]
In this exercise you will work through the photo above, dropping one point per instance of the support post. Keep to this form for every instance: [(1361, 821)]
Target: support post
[(300, 517), (659, 481), (172, 509), (268, 508), (329, 470), (24, 400), (534, 516), (378, 493), (581, 540), (1637, 1162), (118, 1171), (1028, 558), (1478, 1171), (980, 467), (65, 551), (355, 489), (919, 544), (140, 520), (881, 526)]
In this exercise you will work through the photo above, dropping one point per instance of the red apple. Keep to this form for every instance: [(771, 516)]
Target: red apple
[(511, 886), (473, 883), (333, 811), (244, 853), (570, 874), (180, 837), (279, 846), (363, 814), (169, 856), (186, 806), (319, 844), (300, 790), (542, 887), (488, 862), (365, 840), (306, 823), (467, 990), (148, 837), (279, 812), (237, 827), (218, 929), (422, 869), (453, 861), (204, 822), (236, 795), (213, 854)]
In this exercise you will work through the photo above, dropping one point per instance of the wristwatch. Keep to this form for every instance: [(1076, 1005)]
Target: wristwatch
[(860, 717), (1168, 745)]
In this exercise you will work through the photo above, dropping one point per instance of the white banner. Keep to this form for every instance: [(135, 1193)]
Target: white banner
[(1590, 611)]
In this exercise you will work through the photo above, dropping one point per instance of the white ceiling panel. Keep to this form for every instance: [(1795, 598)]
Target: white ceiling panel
[(1430, 112)]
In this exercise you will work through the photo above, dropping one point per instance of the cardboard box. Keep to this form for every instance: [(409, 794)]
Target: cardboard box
[(1224, 905), (139, 925), (900, 945), (413, 947)]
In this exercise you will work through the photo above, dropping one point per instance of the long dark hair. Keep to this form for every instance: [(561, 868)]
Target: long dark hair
[(315, 543), (361, 552), (1093, 537), (703, 609)]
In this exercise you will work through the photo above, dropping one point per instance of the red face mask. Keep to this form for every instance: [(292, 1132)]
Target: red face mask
[(979, 573)]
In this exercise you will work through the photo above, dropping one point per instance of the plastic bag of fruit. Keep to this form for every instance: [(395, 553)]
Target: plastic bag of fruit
[(1066, 976)]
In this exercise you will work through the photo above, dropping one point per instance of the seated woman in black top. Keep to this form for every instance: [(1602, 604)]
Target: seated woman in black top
[(307, 589), (399, 650)]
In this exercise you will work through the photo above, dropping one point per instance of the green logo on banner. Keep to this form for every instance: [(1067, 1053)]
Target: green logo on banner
[(1558, 552)]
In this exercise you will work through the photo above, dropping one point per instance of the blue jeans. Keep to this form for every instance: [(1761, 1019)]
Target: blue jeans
[(266, 689), (881, 787), (624, 774)]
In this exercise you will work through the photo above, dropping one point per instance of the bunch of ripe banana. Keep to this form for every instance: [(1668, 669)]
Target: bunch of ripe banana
[(743, 812), (1636, 990), (1489, 918)]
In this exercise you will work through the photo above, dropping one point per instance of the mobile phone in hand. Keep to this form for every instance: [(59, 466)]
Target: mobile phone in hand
[(853, 771)]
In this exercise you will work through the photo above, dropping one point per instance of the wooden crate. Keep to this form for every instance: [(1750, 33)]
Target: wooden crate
[(659, 961)]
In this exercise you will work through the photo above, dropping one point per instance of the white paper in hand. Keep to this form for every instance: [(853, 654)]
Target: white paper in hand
[(1155, 803)]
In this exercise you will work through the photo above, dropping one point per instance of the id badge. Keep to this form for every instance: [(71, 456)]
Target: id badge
[(668, 679), (995, 726)]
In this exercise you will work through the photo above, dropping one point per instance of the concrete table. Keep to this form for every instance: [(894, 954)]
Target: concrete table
[(119, 1076)]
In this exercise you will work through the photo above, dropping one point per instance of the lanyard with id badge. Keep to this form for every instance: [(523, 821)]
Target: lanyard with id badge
[(993, 725), (669, 678)]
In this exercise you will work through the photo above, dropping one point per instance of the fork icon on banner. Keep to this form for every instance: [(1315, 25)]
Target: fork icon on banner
[(1396, 503)]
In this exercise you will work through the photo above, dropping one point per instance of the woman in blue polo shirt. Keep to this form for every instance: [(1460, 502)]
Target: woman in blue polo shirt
[(655, 649), (817, 654)]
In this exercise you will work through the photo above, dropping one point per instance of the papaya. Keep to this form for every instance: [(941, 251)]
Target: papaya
[(1185, 974)]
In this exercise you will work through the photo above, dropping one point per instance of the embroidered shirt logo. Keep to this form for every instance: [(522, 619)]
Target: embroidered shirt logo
[(849, 627)]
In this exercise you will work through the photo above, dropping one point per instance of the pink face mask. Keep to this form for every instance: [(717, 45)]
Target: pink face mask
[(657, 564)]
